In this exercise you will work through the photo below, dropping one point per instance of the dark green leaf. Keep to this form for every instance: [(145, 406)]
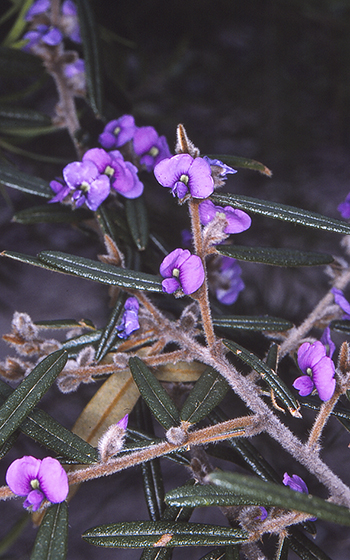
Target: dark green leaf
[(258, 492), (282, 212), (4, 449), (100, 272), (15, 179), (74, 345), (272, 357), (276, 257), (15, 62), (236, 161), (138, 534), (282, 549), (89, 38), (340, 412), (29, 392), (207, 393), (54, 213), (271, 378), (105, 221), (51, 540), (155, 396), (27, 259), (341, 326), (136, 215), (252, 323), (153, 488), (107, 339), (303, 547), (18, 117)]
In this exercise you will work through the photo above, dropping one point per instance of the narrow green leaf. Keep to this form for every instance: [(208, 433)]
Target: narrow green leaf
[(258, 492), (276, 257), (236, 161), (107, 339), (105, 221), (29, 131), (138, 534), (29, 392), (252, 323), (137, 218), (272, 357), (282, 549), (22, 118), (4, 449), (15, 62), (74, 345), (153, 488), (41, 427), (100, 272), (340, 412), (51, 540), (304, 548), (207, 393), (55, 213), (282, 212), (90, 44), (15, 179), (341, 326), (27, 259), (271, 378), (155, 396), (19, 25)]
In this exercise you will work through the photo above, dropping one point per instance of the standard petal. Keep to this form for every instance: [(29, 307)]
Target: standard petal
[(20, 473), (107, 140), (310, 354), (208, 211), (170, 285), (304, 385), (191, 274), (144, 139), (323, 377), (201, 183), (238, 220), (53, 480), (99, 157), (77, 172), (341, 300), (171, 261), (98, 192), (169, 170)]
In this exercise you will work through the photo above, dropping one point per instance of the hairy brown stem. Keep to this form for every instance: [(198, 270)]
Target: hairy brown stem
[(321, 420)]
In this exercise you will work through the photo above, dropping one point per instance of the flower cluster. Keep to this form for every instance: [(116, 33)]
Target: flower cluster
[(90, 181), (42, 30), (38, 479), (149, 148), (318, 370), (182, 271)]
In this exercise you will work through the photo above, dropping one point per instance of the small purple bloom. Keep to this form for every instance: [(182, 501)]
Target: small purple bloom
[(123, 174), (224, 169), (183, 174), (130, 320), (238, 220), (328, 342), (229, 283), (60, 189), (263, 514), (75, 72), (182, 270), (150, 147), (39, 7), (49, 35), (116, 133), (318, 369), (340, 300), (36, 480), (69, 21), (295, 483), (344, 207), (123, 423)]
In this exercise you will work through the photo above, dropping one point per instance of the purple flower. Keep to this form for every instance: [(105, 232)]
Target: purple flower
[(123, 423), (86, 182), (295, 483), (224, 169), (150, 147), (36, 480), (39, 7), (182, 270), (318, 369), (116, 133), (130, 320), (229, 283), (75, 73), (340, 300), (263, 514), (238, 220), (344, 207), (123, 174), (183, 174), (69, 21), (328, 342), (49, 35)]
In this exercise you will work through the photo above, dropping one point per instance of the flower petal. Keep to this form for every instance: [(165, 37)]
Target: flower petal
[(98, 192), (169, 170), (77, 172), (341, 300), (201, 183), (170, 285), (99, 157), (53, 480), (323, 377), (144, 139), (20, 474), (191, 274), (173, 260), (238, 220), (304, 385), (310, 354), (34, 499)]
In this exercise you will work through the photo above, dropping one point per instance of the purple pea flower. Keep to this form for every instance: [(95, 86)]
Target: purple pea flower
[(150, 147), (238, 220), (229, 283), (344, 208), (49, 35), (183, 174), (69, 21), (223, 168), (318, 369), (75, 73), (182, 270), (328, 342), (295, 483), (340, 300), (39, 7), (117, 132), (123, 174), (130, 321), (87, 184), (38, 479)]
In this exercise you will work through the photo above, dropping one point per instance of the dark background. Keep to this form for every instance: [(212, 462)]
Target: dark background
[(268, 80)]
